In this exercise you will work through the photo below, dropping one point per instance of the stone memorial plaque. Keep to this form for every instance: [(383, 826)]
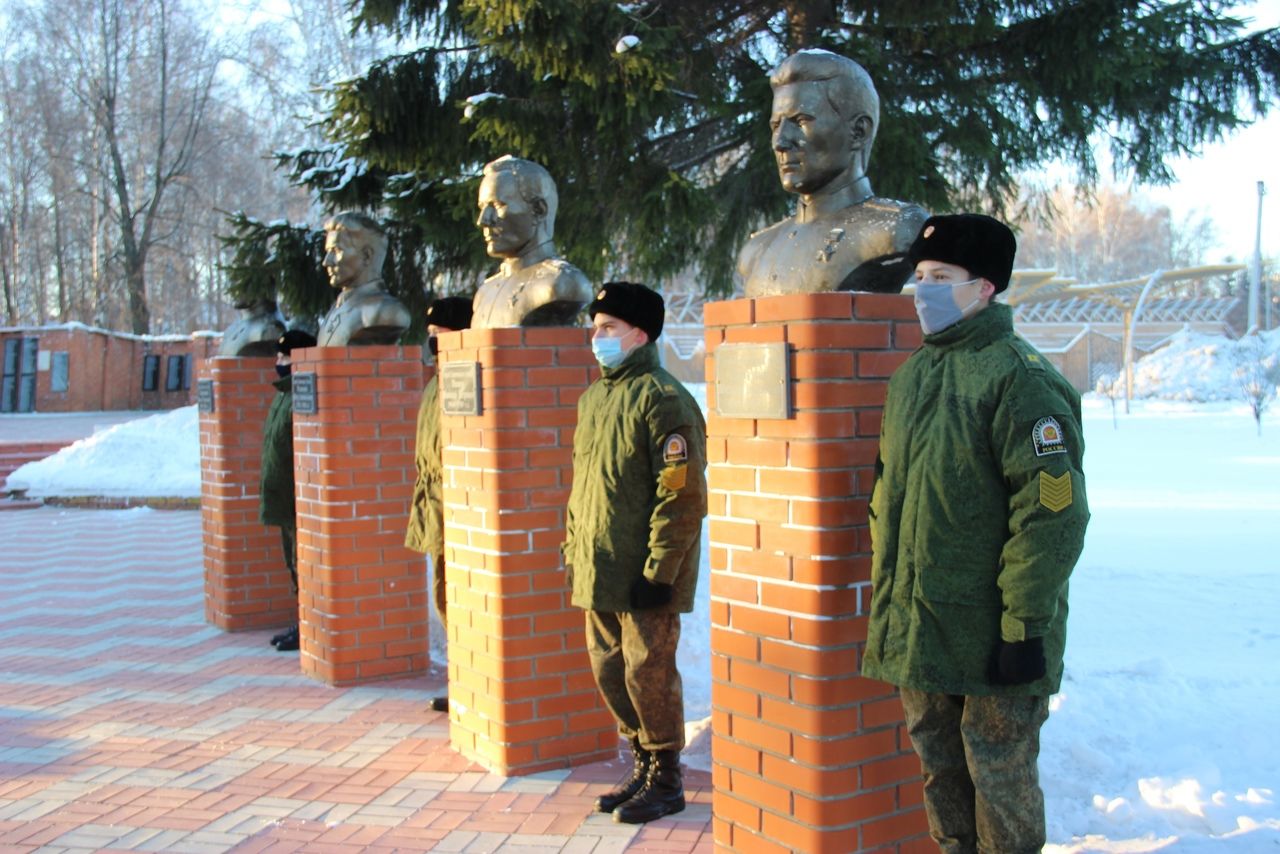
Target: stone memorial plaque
[(753, 381), (204, 395), (460, 388), (304, 394)]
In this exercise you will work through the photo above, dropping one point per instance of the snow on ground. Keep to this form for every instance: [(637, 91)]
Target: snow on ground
[(156, 456), (1164, 734)]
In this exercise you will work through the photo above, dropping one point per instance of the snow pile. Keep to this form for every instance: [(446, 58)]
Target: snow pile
[(154, 457), (1197, 367)]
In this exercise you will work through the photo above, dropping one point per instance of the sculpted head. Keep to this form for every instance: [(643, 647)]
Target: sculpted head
[(517, 203), (354, 248), (824, 120)]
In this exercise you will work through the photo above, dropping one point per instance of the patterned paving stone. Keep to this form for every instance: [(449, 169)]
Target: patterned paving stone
[(128, 724)]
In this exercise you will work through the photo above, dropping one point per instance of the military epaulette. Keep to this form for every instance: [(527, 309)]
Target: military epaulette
[(1031, 358)]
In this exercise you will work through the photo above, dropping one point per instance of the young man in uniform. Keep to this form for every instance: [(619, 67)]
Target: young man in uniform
[(276, 494), (633, 540), (426, 514), (978, 515)]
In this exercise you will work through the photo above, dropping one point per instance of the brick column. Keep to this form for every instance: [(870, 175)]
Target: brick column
[(246, 582), (808, 755), (362, 594), (521, 695)]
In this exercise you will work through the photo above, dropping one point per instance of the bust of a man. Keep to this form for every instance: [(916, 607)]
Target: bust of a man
[(842, 237), (355, 246), (534, 286), (254, 333)]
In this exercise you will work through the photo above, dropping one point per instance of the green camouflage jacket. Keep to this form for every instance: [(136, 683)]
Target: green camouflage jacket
[(639, 486), (426, 514), (276, 499), (978, 512)]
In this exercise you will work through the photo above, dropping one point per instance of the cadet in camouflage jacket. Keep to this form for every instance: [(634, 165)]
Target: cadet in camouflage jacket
[(633, 540), (425, 532), (277, 504), (977, 516), (975, 528), (636, 507)]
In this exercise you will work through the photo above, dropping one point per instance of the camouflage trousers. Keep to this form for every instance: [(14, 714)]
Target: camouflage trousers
[(981, 784), (289, 546), (633, 657)]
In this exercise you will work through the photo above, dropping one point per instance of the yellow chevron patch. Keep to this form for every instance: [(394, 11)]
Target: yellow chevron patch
[(1055, 492), (673, 477)]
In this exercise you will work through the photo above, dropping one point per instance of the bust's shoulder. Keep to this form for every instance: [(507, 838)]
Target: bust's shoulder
[(904, 219), (765, 235), (759, 241)]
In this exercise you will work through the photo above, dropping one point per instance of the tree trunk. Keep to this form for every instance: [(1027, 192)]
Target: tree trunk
[(136, 284)]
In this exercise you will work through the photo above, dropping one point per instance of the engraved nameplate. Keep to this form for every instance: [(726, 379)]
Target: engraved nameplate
[(204, 395), (304, 394), (753, 381), (460, 388)]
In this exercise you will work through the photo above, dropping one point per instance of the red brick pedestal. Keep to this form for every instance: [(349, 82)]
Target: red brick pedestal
[(246, 582), (362, 594), (808, 755), (521, 695)]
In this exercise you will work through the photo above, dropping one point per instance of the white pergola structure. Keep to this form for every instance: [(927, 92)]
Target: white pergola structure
[(1040, 297)]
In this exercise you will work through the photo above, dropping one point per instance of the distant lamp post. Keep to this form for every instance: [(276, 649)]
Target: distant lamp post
[(1255, 274)]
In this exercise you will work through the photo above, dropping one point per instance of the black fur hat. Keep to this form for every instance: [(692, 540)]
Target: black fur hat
[(982, 245), (450, 312), (294, 339), (636, 304)]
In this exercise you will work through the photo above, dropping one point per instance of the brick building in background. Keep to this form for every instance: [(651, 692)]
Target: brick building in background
[(71, 367)]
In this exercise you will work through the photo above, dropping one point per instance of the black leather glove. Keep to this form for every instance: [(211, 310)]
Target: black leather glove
[(1017, 663), (647, 594)]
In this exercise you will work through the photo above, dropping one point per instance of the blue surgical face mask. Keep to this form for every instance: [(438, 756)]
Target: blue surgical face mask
[(609, 352), (938, 304)]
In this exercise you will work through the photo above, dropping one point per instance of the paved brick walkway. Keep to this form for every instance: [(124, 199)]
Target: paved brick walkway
[(127, 723)]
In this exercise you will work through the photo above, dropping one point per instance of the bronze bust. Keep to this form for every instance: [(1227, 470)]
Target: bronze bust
[(355, 247), (254, 333), (842, 236), (534, 286)]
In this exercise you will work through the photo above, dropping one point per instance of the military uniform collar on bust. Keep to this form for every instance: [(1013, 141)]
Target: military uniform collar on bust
[(536, 255), (369, 287), (854, 193)]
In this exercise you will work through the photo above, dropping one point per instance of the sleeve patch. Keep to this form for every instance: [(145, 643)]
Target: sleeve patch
[(1047, 438), (675, 449), (673, 477), (1055, 492)]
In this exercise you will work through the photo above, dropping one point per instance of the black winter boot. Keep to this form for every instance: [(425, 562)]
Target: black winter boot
[(610, 801), (663, 792)]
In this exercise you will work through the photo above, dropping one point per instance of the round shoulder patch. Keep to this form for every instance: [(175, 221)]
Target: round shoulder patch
[(1047, 437), (675, 449)]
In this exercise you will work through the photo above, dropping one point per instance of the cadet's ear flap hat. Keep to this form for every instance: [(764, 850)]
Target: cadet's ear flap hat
[(633, 303), (982, 245), (294, 339), (450, 312)]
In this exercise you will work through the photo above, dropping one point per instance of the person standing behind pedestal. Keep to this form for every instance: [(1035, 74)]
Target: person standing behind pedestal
[(842, 237), (535, 286), (355, 248), (276, 493), (633, 539), (978, 516), (426, 514)]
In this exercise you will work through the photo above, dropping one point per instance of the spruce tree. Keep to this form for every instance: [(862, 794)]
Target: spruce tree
[(653, 116)]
